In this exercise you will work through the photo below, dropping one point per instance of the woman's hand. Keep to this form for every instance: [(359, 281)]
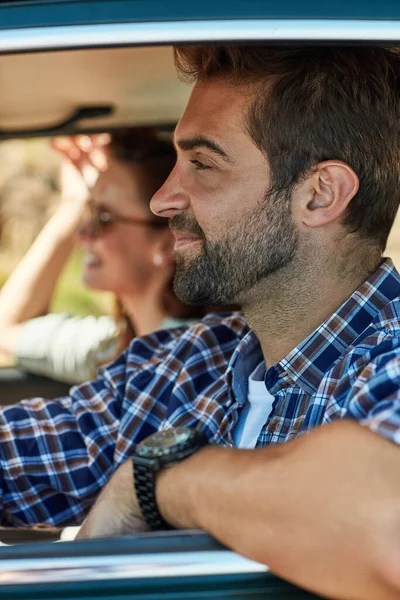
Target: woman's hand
[(84, 158), (86, 153)]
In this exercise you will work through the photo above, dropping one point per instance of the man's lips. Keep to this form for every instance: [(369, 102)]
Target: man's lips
[(184, 239)]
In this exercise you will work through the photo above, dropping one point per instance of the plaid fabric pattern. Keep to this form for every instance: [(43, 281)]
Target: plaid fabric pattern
[(56, 455)]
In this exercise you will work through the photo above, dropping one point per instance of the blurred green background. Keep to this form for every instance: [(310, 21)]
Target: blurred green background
[(29, 194), (70, 294)]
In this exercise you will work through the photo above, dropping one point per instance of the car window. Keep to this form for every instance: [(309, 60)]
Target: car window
[(57, 58)]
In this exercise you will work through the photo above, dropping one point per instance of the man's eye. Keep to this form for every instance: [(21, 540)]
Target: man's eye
[(199, 166)]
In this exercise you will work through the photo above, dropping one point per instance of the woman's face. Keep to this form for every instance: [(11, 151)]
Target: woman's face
[(120, 256)]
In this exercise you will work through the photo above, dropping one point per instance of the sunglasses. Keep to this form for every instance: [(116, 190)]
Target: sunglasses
[(101, 220)]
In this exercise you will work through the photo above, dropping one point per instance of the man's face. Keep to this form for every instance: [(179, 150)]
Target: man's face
[(230, 231)]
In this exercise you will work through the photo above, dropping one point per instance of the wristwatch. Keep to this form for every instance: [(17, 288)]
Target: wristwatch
[(159, 451)]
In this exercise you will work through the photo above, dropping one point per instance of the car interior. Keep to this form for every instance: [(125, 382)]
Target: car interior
[(49, 92), (89, 91)]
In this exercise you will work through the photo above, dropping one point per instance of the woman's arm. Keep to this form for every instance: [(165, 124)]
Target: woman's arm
[(28, 291), (30, 288)]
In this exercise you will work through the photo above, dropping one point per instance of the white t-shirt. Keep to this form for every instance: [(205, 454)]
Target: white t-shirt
[(256, 412)]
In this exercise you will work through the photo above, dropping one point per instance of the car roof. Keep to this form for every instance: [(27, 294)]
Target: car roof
[(107, 75), (27, 13), (135, 86)]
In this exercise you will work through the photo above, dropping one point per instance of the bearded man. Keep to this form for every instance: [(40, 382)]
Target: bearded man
[(281, 200), (282, 197)]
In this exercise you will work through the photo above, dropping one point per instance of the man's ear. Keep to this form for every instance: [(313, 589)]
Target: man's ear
[(327, 192)]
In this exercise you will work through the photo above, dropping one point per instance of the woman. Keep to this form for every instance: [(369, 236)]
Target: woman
[(126, 250)]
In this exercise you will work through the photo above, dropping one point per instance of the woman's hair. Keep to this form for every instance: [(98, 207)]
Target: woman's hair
[(156, 158), (311, 104)]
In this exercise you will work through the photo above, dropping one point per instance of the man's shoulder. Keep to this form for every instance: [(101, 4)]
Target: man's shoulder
[(378, 344), (214, 331), (383, 330), (383, 335), (388, 319), (367, 375)]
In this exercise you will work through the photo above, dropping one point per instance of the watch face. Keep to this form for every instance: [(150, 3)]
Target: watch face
[(163, 440)]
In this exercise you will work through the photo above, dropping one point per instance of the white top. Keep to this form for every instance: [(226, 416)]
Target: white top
[(71, 349), (256, 412)]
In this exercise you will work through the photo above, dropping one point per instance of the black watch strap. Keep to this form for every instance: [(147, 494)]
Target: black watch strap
[(144, 474)]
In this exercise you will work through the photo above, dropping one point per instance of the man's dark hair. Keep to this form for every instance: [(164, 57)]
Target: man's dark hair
[(319, 103)]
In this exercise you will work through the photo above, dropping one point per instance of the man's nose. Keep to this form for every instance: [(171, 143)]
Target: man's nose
[(171, 198)]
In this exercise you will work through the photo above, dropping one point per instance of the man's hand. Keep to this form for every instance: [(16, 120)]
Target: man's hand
[(322, 511), (116, 511)]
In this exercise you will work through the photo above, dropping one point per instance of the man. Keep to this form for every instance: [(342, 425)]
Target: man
[(284, 191), (281, 200)]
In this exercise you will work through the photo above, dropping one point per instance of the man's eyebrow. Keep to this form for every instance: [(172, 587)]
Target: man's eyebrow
[(199, 141)]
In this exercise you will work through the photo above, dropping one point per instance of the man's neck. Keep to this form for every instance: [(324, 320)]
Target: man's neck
[(283, 310)]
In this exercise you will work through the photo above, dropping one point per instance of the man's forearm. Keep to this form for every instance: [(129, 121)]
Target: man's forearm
[(321, 511)]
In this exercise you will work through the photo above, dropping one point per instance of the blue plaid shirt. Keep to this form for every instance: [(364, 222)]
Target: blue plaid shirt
[(56, 455)]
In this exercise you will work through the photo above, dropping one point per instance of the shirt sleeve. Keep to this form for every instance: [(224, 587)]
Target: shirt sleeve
[(56, 455), (66, 348), (378, 399)]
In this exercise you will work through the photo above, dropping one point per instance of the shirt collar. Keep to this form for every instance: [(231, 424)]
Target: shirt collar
[(313, 357), (246, 357), (306, 364)]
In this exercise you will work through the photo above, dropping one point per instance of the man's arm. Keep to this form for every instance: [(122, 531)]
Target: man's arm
[(323, 511), (56, 455)]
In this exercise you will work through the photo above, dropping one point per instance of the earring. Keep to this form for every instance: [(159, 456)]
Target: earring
[(158, 260)]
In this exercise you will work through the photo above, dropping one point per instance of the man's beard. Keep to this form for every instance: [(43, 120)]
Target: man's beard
[(264, 243)]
